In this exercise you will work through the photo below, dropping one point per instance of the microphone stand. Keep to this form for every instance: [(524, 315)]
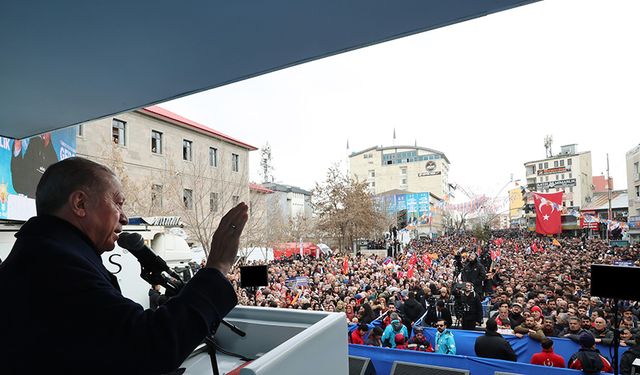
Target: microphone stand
[(173, 284)]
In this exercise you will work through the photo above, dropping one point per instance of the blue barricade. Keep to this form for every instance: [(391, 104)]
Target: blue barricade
[(524, 347), (383, 359)]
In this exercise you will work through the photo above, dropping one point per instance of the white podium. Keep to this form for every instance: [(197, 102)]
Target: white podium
[(287, 341)]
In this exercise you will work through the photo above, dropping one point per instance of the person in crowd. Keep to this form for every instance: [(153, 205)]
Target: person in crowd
[(419, 342), (413, 310), (586, 323), (90, 327), (588, 358), (358, 334), (574, 330), (493, 345), (601, 333), (440, 312), (502, 319), (400, 341), (536, 311), (515, 316), (547, 357), (156, 298), (531, 329), (472, 308), (474, 272), (626, 338), (627, 358), (390, 332), (349, 312), (365, 314), (375, 337), (445, 342), (549, 328)]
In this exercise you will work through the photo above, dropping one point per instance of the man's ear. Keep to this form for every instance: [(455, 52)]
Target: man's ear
[(78, 203)]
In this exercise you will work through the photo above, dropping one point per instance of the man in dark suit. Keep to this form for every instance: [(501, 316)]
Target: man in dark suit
[(62, 311), (493, 345), (440, 312)]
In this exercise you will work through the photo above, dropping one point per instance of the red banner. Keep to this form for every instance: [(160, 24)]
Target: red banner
[(548, 212)]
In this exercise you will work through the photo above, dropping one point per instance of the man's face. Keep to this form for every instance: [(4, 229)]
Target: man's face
[(504, 308), (548, 324), (440, 326), (586, 323), (600, 324), (530, 322), (574, 325), (104, 217)]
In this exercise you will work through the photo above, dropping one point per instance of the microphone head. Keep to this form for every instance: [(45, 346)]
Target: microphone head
[(130, 241)]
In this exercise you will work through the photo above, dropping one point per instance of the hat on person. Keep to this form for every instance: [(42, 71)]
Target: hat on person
[(587, 340), (536, 308), (519, 305), (418, 329)]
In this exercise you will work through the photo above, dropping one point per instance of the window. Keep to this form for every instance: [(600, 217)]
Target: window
[(571, 204), (118, 129), (557, 177), (187, 198), (156, 142), (403, 181), (568, 161), (562, 176), (156, 196), (569, 175), (539, 165), (562, 163), (80, 131), (235, 200), (555, 163), (187, 150), (636, 166), (213, 157), (213, 202), (546, 165), (235, 162), (372, 173), (570, 190), (403, 171), (637, 191), (546, 178)]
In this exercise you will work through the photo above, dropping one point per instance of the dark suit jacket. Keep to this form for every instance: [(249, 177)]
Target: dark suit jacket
[(63, 313), (493, 345), (432, 316)]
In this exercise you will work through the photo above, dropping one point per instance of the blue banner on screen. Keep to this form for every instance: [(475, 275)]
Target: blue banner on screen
[(22, 163)]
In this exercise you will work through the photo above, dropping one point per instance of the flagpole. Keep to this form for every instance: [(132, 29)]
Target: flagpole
[(609, 197)]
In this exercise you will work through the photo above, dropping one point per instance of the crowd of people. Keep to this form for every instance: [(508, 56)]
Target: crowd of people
[(530, 285)]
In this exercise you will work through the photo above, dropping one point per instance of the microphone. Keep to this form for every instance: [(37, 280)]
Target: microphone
[(147, 258)]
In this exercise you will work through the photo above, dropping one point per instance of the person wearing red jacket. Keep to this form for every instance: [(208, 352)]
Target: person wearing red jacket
[(547, 357), (357, 336)]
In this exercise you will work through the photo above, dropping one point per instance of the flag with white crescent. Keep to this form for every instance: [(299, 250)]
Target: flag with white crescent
[(548, 212)]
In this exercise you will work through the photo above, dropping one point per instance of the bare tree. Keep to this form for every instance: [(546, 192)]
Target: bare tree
[(345, 208)]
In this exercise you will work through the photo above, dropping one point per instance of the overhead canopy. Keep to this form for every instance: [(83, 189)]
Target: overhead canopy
[(66, 62)]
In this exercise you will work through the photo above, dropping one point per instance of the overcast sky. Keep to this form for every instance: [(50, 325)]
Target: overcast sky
[(485, 92)]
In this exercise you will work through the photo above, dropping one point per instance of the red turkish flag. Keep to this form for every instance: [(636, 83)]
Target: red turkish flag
[(548, 212), (345, 266), (410, 272)]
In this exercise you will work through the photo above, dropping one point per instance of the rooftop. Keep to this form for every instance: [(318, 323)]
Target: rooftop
[(163, 114)]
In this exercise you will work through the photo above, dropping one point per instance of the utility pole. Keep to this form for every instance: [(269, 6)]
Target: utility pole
[(609, 218)]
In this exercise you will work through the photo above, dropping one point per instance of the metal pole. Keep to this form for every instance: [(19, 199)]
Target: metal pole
[(609, 218)]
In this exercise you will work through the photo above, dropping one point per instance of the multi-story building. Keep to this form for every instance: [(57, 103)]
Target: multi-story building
[(292, 201), (633, 189), (569, 171), (410, 168), (169, 164)]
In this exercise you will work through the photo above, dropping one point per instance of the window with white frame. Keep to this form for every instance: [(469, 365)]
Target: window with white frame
[(187, 150), (118, 132), (235, 162), (187, 199), (156, 142), (213, 157)]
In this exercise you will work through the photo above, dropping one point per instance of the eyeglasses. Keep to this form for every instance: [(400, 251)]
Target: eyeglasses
[(439, 325)]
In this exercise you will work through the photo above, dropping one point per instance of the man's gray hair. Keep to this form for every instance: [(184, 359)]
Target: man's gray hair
[(66, 176)]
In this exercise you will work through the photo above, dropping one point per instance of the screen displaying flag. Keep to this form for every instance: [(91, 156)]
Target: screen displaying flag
[(548, 212)]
